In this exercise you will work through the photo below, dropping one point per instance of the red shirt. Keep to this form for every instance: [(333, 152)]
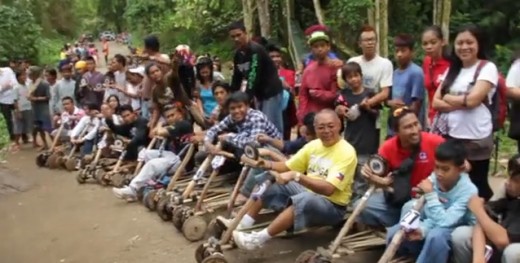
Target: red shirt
[(432, 72), (392, 152), (288, 76), (322, 79)]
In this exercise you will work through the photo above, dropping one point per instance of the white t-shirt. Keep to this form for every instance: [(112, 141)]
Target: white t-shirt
[(513, 75), (377, 72), (134, 90), (476, 123)]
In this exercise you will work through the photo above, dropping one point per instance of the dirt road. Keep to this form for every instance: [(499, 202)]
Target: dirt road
[(46, 217)]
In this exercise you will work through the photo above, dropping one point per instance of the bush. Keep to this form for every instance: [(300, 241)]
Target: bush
[(20, 34)]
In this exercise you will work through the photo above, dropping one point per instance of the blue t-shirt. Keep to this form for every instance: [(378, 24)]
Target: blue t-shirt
[(408, 85), (208, 101), (310, 57)]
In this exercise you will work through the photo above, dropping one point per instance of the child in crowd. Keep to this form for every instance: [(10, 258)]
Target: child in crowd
[(361, 130), (498, 224), (447, 193), (22, 114), (408, 81)]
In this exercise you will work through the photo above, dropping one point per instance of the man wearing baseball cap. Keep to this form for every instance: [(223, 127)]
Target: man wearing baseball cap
[(134, 80), (319, 85)]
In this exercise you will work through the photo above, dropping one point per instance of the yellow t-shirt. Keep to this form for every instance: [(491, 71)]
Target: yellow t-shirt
[(335, 164)]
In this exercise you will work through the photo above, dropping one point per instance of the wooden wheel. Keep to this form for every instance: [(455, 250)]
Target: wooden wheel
[(215, 258), (149, 200), (163, 209), (70, 164), (307, 256), (194, 228)]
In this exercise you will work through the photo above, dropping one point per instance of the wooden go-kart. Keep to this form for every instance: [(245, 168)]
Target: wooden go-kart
[(213, 250), (345, 244), (193, 222), (151, 197), (44, 158), (92, 167)]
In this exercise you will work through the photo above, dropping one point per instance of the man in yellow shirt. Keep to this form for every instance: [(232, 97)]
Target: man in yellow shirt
[(313, 189)]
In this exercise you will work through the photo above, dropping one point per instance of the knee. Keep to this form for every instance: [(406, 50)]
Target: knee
[(308, 201), (511, 254), (461, 236)]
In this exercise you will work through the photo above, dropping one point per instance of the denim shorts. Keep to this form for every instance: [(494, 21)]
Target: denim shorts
[(310, 209)]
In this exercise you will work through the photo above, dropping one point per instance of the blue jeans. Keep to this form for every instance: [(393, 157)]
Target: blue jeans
[(87, 148), (310, 209), (434, 248), (377, 212), (272, 109)]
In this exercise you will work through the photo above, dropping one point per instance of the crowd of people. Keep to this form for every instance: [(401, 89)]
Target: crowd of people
[(439, 140)]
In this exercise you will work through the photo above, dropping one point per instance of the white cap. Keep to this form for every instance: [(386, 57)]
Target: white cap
[(182, 47), (138, 70)]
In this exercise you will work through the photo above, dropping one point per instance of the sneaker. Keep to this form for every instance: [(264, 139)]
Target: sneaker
[(247, 241), (126, 193)]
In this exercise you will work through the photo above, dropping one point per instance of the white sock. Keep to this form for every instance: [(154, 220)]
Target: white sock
[(247, 221), (263, 236)]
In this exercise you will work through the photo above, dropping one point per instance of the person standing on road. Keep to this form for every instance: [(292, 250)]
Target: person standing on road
[(91, 85), (39, 95), (256, 74), (64, 88), (105, 50), (7, 82), (377, 71)]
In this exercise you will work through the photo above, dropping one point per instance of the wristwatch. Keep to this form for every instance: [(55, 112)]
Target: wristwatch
[(297, 177)]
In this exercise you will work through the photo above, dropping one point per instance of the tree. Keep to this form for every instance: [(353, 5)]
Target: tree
[(248, 8), (264, 18), (441, 16), (20, 34)]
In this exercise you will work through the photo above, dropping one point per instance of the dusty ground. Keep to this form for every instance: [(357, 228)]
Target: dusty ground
[(46, 217)]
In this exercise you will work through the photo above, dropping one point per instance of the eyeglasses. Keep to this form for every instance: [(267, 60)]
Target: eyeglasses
[(368, 40), (399, 111)]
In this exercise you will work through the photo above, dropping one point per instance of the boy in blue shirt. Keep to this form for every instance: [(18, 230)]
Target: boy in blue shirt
[(447, 193), (408, 80)]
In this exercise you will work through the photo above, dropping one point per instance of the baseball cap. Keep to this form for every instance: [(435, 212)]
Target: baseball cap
[(317, 36), (138, 70), (80, 64)]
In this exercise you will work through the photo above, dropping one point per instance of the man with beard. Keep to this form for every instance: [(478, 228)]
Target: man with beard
[(410, 156), (256, 74), (91, 85)]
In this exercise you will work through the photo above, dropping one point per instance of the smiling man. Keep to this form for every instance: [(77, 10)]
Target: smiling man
[(410, 158), (244, 123), (313, 188)]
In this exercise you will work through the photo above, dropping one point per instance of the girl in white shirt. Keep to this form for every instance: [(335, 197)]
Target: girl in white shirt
[(461, 101), (513, 93)]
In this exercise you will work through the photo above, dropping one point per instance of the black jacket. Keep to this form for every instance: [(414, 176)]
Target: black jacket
[(254, 65)]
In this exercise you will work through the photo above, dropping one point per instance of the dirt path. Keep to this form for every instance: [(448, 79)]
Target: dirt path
[(46, 217)]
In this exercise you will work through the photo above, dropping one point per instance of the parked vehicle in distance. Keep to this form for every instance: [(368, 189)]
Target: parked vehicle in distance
[(108, 35)]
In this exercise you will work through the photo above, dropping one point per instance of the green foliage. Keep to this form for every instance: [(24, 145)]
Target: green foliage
[(20, 34)]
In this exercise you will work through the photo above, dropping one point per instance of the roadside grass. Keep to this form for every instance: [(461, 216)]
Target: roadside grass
[(4, 139)]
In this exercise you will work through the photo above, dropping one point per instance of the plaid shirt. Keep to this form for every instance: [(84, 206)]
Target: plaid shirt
[(246, 131)]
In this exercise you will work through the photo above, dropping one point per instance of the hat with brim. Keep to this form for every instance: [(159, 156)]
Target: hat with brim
[(317, 36), (138, 70)]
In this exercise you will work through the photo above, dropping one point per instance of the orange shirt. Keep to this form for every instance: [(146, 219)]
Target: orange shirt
[(105, 48)]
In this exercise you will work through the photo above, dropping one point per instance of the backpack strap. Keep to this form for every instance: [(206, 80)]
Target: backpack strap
[(481, 65)]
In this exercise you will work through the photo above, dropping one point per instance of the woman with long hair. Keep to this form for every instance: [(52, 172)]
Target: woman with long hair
[(435, 62), (205, 81), (462, 99)]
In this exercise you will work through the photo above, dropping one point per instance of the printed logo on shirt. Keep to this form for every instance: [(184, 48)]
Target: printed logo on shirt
[(319, 166), (244, 66), (133, 131), (423, 157), (368, 81)]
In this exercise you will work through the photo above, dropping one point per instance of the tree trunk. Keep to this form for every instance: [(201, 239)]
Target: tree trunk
[(319, 12), (264, 18), (383, 28), (248, 13), (377, 23), (441, 16)]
